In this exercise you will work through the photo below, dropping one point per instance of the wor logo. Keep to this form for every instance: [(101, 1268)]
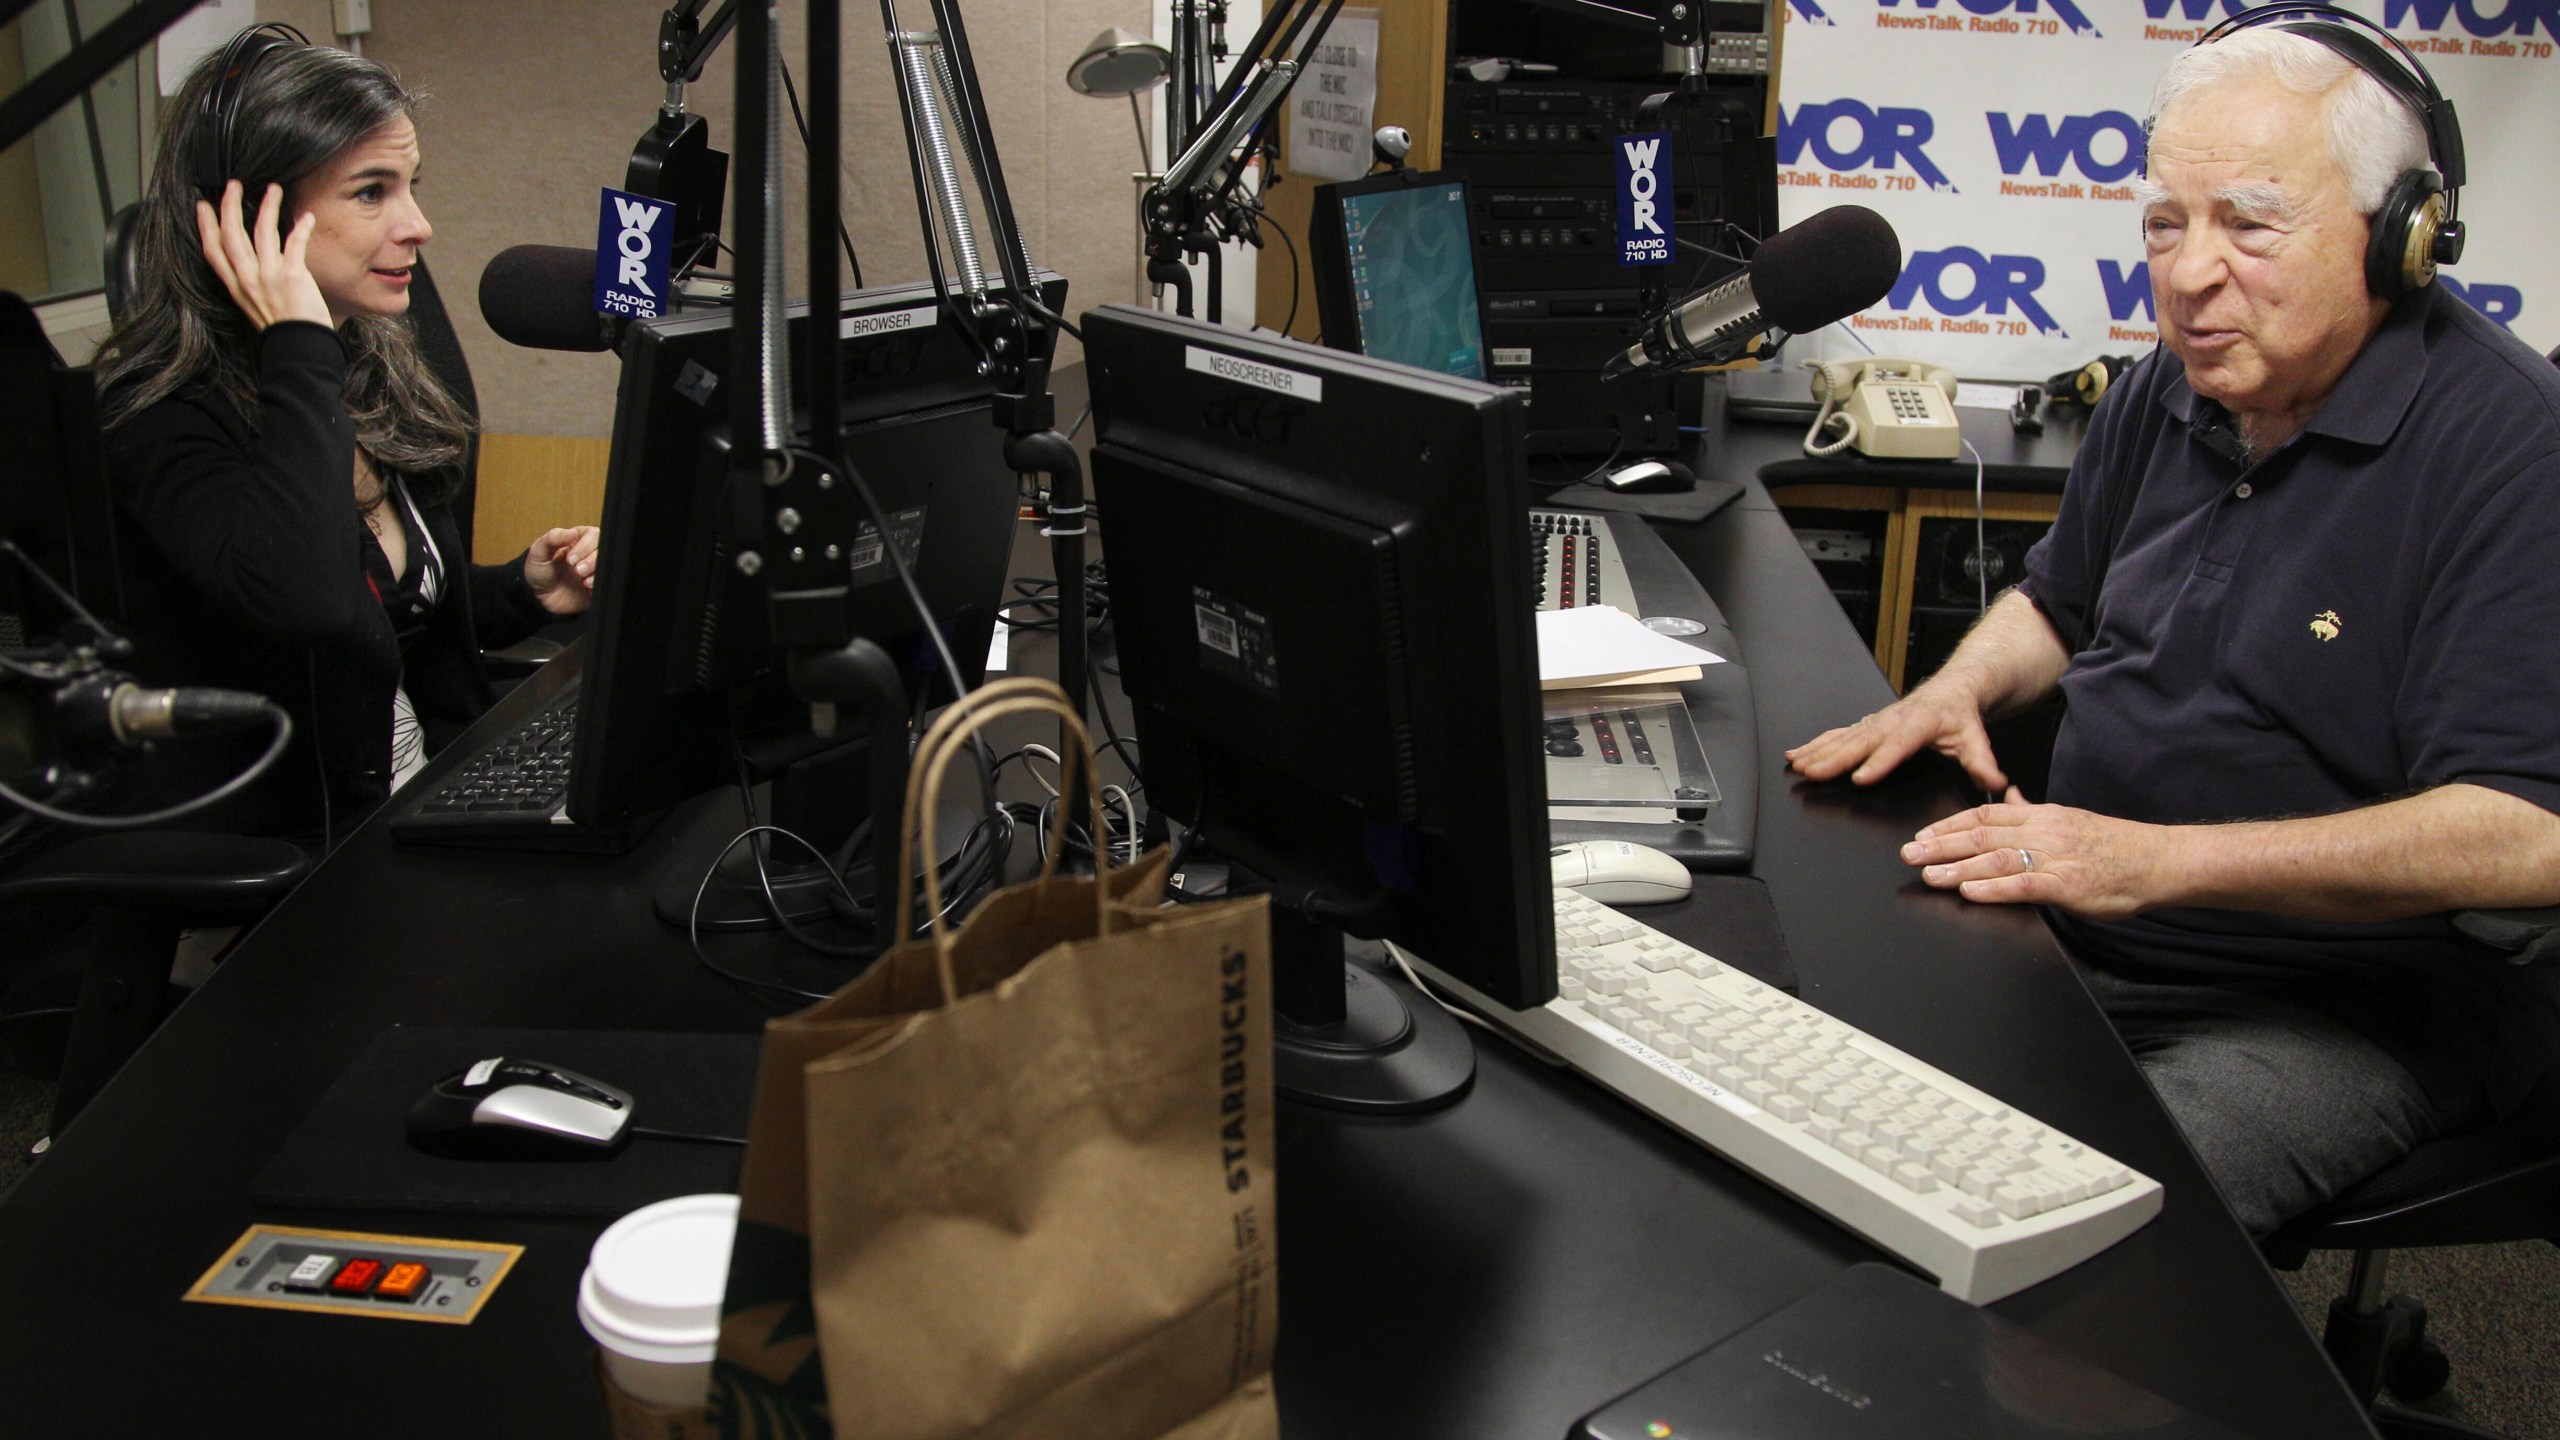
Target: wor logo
[(1847, 135)]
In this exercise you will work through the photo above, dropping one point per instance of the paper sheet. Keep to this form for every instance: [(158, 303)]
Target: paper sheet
[(1599, 645)]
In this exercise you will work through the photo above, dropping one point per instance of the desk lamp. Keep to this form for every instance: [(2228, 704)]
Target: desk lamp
[(1121, 63)]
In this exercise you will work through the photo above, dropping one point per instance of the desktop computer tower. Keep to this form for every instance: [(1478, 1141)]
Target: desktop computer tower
[(1847, 549), (1954, 570)]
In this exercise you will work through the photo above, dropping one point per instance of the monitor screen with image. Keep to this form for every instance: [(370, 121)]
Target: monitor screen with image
[(1395, 277)]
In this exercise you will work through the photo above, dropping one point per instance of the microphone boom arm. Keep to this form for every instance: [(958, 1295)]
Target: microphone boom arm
[(1194, 204)]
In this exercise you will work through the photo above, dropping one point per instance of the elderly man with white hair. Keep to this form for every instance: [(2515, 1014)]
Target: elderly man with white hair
[(2302, 602)]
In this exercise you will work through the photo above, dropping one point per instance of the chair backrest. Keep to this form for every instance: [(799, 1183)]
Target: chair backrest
[(121, 268), (443, 349), (53, 500)]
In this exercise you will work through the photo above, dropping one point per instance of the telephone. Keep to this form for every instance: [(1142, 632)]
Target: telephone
[(1894, 409)]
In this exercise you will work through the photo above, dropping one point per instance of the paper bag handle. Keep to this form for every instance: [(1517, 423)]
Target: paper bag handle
[(1018, 696)]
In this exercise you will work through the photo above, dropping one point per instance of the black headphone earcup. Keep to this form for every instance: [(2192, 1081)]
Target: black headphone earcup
[(2400, 253), (209, 158)]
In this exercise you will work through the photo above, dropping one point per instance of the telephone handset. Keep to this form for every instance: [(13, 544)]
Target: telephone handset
[(1894, 409)]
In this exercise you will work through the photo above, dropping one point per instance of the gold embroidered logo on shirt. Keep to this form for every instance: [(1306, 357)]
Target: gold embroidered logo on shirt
[(2326, 625)]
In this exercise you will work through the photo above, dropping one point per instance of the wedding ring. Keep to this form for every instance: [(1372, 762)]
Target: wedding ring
[(2026, 859)]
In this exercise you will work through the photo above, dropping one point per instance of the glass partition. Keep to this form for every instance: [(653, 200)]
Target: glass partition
[(59, 185)]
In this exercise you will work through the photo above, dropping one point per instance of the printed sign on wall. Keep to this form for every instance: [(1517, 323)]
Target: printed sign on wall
[(1331, 103), (2001, 136)]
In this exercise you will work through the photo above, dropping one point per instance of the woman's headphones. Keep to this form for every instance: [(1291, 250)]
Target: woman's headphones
[(2418, 227), (209, 157)]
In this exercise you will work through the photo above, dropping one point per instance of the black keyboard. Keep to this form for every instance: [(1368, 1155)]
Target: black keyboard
[(526, 774), (514, 793)]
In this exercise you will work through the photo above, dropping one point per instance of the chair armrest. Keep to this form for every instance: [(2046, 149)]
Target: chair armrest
[(522, 658), (209, 879), (2521, 937)]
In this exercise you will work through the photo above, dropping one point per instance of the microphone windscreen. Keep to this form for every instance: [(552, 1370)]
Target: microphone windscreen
[(1825, 268), (543, 297)]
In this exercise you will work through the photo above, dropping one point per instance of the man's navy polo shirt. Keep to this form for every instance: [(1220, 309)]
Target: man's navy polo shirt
[(2370, 610)]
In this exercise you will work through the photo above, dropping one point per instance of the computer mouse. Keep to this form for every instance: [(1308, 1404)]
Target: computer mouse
[(1615, 872), (1651, 477), (511, 1109)]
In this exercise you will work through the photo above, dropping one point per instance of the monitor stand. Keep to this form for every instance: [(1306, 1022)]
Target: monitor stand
[(1351, 1034)]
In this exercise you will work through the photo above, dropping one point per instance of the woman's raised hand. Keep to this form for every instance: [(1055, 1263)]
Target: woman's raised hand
[(262, 266), (560, 565)]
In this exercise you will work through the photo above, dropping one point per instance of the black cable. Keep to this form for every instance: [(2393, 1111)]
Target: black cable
[(681, 1135), (1034, 592), (224, 791), (1031, 302), (764, 878), (800, 120), (1255, 215), (693, 917), (1111, 733), (924, 610), (1591, 476)]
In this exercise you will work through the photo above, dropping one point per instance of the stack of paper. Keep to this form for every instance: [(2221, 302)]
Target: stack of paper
[(1596, 645)]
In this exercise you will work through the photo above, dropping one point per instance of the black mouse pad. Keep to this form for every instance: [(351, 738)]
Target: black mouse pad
[(1877, 1355), (1684, 507), (352, 1151), (1732, 918)]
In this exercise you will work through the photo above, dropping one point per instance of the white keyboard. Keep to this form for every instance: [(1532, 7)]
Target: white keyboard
[(1984, 1198)]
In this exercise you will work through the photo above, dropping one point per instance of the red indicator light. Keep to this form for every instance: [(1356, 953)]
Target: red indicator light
[(356, 1277), (404, 1281)]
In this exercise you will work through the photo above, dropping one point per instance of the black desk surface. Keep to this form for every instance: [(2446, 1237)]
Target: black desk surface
[(2012, 460), (1493, 1270)]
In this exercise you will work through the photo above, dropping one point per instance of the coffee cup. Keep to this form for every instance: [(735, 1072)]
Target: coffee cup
[(651, 1296)]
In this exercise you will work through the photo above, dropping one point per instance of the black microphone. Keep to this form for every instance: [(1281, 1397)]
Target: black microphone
[(136, 715), (1806, 276), (105, 707), (543, 297)]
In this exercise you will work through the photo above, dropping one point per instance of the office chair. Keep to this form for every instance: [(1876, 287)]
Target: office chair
[(139, 890), (2486, 1187), (135, 890), (142, 887)]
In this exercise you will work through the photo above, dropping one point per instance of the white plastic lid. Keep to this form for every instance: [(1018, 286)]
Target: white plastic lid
[(654, 1280)]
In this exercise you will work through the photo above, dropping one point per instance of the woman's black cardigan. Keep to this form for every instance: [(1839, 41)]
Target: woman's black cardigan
[(245, 564)]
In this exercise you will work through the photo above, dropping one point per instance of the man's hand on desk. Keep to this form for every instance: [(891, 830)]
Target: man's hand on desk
[(2011, 852), (1937, 715)]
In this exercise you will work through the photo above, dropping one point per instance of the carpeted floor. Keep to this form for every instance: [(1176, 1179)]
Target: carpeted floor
[(2496, 1311)]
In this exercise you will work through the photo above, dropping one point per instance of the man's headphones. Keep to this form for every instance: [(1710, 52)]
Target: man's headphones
[(209, 156), (2418, 227)]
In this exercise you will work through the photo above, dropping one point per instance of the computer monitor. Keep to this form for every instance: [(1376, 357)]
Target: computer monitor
[(1321, 584), (683, 673), (1395, 275)]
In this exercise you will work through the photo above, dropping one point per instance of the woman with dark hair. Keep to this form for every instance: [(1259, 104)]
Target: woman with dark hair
[(283, 453)]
